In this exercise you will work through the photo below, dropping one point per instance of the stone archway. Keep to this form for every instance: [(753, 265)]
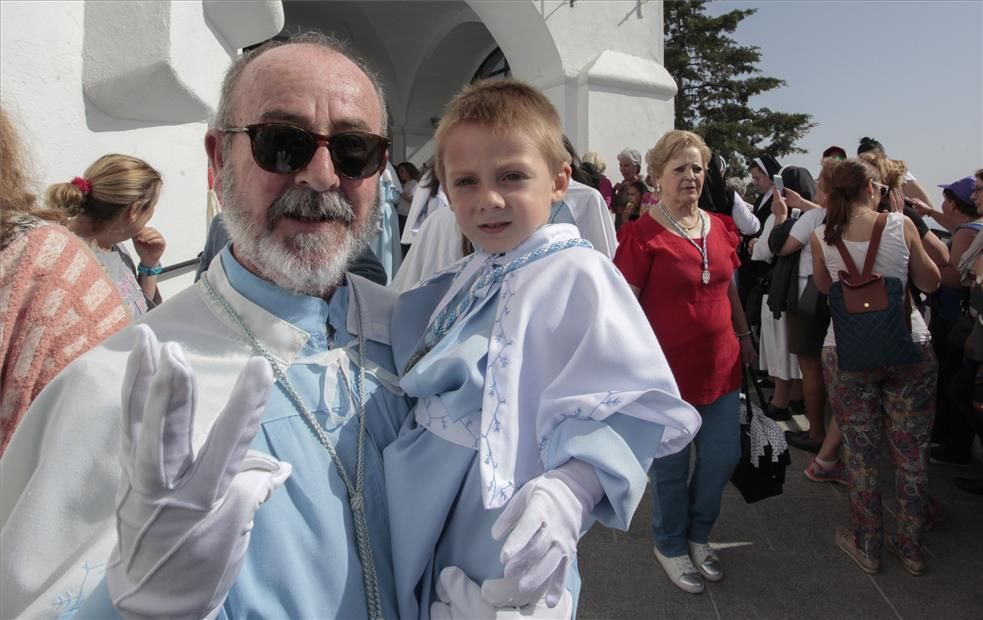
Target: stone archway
[(450, 65)]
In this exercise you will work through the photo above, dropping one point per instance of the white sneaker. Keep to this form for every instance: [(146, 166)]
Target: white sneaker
[(706, 561), (681, 572)]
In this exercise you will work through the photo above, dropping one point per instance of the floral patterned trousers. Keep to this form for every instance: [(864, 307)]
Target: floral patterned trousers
[(898, 403)]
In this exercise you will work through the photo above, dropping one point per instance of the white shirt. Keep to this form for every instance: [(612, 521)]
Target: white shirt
[(892, 260), (745, 221)]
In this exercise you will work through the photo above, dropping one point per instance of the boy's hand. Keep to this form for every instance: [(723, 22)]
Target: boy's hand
[(460, 598), (543, 521)]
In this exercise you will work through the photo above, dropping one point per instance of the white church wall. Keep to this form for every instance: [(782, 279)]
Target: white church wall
[(600, 63), (141, 82)]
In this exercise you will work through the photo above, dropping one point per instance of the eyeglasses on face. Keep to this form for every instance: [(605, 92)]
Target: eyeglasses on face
[(286, 149), (884, 189)]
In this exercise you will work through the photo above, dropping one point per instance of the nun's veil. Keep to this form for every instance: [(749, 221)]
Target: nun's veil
[(715, 197), (800, 180)]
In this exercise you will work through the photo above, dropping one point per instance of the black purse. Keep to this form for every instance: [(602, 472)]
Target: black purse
[(762, 475)]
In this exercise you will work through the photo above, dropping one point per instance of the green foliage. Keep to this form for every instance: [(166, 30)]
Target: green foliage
[(716, 79)]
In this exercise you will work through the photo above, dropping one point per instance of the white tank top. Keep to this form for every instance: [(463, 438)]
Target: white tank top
[(891, 260)]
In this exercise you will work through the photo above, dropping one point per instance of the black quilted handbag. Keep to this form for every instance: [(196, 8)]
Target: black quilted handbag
[(871, 314)]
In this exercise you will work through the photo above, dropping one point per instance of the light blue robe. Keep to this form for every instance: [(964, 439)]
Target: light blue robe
[(385, 241), (302, 560), (434, 484)]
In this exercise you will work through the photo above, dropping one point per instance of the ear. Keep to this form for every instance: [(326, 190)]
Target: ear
[(134, 210), (214, 139), (561, 182)]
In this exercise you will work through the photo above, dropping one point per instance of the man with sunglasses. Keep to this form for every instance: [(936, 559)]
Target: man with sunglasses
[(274, 370)]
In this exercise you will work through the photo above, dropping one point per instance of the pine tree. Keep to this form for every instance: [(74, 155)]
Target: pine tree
[(716, 79)]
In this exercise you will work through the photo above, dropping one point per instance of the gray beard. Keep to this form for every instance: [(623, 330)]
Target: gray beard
[(309, 263)]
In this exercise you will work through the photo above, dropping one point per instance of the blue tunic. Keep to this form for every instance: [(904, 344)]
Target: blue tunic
[(432, 470), (302, 560)]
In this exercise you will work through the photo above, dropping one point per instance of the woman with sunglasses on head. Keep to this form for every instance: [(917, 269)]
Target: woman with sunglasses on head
[(112, 203), (895, 403)]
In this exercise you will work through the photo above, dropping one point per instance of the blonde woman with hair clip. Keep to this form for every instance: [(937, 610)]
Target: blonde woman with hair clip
[(109, 204)]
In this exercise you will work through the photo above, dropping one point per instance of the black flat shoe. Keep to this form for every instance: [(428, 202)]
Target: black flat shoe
[(801, 440), (779, 414)]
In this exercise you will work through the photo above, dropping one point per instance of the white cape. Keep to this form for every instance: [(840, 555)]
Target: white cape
[(570, 341), (58, 476)]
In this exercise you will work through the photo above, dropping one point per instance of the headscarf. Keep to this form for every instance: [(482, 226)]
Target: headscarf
[(716, 198), (770, 166), (799, 180), (767, 164)]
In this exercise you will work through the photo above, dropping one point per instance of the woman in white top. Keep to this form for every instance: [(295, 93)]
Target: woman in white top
[(896, 402), (409, 177)]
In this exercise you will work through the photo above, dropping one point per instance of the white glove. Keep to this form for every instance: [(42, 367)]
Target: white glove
[(545, 518), (183, 521), (460, 598)]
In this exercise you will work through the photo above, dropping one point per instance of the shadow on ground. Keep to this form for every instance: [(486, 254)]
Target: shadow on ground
[(781, 562)]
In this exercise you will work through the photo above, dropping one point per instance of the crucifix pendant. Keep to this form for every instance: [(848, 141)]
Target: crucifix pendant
[(706, 276)]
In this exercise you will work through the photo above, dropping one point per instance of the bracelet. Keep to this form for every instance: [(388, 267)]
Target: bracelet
[(143, 270), (744, 335)]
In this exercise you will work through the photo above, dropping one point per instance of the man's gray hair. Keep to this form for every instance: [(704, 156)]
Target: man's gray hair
[(225, 114)]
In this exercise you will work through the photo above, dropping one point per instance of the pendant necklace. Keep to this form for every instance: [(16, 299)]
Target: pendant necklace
[(701, 247), (356, 491)]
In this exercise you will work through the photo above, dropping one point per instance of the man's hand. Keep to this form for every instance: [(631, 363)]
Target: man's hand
[(460, 598), (149, 245), (184, 520)]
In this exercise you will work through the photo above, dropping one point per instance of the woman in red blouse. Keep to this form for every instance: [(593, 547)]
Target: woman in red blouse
[(680, 262)]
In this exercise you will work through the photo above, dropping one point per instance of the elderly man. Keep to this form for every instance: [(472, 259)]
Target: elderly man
[(181, 524)]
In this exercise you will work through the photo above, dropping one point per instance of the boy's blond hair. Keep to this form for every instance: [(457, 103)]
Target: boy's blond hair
[(505, 105)]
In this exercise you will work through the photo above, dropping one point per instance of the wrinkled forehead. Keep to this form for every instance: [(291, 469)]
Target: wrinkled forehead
[(310, 86)]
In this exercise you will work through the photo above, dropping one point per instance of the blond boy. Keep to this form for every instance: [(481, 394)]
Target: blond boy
[(542, 396)]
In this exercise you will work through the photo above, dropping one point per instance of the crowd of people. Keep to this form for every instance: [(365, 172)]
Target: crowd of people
[(319, 427)]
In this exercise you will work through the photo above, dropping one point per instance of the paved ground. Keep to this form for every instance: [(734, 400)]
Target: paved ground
[(781, 562)]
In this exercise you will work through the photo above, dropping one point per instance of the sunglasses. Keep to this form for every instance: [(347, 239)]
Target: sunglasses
[(286, 149), (884, 189)]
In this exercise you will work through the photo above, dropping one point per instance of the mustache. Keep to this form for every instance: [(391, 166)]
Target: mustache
[(306, 203)]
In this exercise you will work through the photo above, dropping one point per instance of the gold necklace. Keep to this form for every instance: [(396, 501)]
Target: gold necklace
[(701, 247), (679, 222)]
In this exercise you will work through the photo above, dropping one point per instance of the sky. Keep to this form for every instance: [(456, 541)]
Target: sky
[(909, 74)]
